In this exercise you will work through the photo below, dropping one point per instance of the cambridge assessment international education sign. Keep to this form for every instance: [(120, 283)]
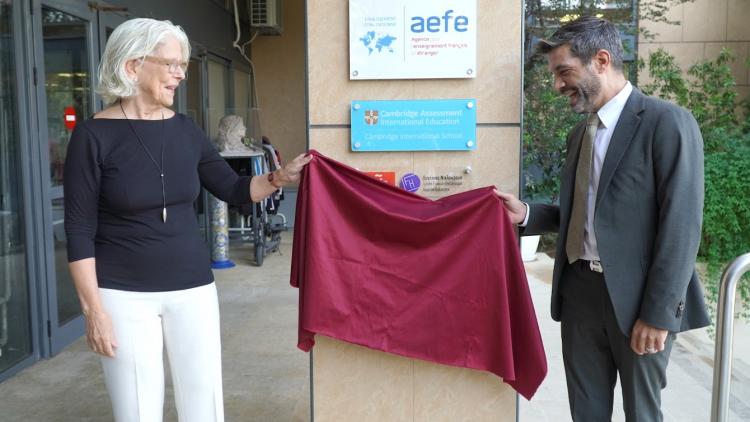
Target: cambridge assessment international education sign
[(412, 39), (414, 125)]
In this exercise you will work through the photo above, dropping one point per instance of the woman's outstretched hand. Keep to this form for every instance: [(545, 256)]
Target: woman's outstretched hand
[(290, 173)]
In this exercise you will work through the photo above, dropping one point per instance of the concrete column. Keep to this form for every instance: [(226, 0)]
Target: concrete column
[(353, 383)]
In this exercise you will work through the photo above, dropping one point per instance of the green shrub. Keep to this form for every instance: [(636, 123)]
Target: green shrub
[(726, 214), (547, 121), (708, 92)]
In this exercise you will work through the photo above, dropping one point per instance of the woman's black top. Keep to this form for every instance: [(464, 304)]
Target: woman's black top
[(113, 201)]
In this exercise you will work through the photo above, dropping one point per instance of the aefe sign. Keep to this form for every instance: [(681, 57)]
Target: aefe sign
[(412, 39), (433, 23)]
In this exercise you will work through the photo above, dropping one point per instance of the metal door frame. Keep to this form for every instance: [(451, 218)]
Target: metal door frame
[(22, 44), (199, 54), (107, 18), (58, 336)]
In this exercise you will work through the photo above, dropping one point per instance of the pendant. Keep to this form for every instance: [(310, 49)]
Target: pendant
[(164, 214)]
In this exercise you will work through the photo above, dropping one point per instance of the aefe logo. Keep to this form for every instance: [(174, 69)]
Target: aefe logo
[(436, 23)]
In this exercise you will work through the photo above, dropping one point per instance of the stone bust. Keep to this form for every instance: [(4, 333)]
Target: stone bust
[(231, 131)]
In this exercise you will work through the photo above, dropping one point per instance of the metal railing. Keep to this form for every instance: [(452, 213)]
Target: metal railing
[(724, 337)]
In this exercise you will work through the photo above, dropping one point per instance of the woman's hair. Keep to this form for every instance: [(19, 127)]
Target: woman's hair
[(133, 39)]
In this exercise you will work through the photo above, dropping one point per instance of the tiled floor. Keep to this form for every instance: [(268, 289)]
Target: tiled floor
[(687, 397), (266, 378)]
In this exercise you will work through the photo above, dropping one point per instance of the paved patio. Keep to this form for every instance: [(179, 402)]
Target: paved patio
[(687, 397), (266, 378)]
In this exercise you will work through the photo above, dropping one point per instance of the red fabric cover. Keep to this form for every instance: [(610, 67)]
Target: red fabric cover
[(438, 280)]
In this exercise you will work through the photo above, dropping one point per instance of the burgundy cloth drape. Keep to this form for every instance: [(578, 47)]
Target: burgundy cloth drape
[(438, 280)]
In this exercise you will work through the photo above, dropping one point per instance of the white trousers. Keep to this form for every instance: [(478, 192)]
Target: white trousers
[(187, 321)]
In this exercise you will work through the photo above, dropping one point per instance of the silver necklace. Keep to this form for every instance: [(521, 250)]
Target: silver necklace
[(160, 168)]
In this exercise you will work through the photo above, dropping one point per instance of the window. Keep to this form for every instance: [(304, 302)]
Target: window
[(218, 85)]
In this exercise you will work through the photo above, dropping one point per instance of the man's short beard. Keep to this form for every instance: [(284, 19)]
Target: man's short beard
[(586, 90)]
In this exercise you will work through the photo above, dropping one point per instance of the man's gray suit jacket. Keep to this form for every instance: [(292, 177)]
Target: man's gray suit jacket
[(647, 217)]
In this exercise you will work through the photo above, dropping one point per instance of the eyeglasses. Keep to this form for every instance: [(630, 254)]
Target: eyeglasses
[(172, 66)]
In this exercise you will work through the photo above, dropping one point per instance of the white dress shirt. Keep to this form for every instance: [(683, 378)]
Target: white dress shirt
[(608, 114)]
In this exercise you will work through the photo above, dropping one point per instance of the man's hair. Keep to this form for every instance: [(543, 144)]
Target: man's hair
[(585, 36)]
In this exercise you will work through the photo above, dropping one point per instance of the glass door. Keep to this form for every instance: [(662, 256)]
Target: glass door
[(108, 20), (68, 44), (195, 92), (16, 343), (196, 99)]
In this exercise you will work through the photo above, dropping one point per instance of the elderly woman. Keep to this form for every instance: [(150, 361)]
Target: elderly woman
[(138, 261)]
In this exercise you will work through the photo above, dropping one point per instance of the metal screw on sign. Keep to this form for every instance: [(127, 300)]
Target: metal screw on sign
[(357, 145), (356, 106), (355, 73), (470, 105), (468, 71), (469, 144)]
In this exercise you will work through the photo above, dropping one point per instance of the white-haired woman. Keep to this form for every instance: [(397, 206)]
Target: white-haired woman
[(138, 261)]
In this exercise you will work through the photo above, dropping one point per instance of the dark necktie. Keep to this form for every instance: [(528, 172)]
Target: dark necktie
[(574, 242)]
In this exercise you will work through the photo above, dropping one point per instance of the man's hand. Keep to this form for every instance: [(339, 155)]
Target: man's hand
[(646, 339), (516, 209)]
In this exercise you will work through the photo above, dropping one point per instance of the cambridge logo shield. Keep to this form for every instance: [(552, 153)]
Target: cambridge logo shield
[(371, 117)]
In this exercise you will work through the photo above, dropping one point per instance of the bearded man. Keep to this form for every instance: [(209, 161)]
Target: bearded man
[(628, 223)]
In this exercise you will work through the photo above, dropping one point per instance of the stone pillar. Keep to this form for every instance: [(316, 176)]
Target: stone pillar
[(353, 383)]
